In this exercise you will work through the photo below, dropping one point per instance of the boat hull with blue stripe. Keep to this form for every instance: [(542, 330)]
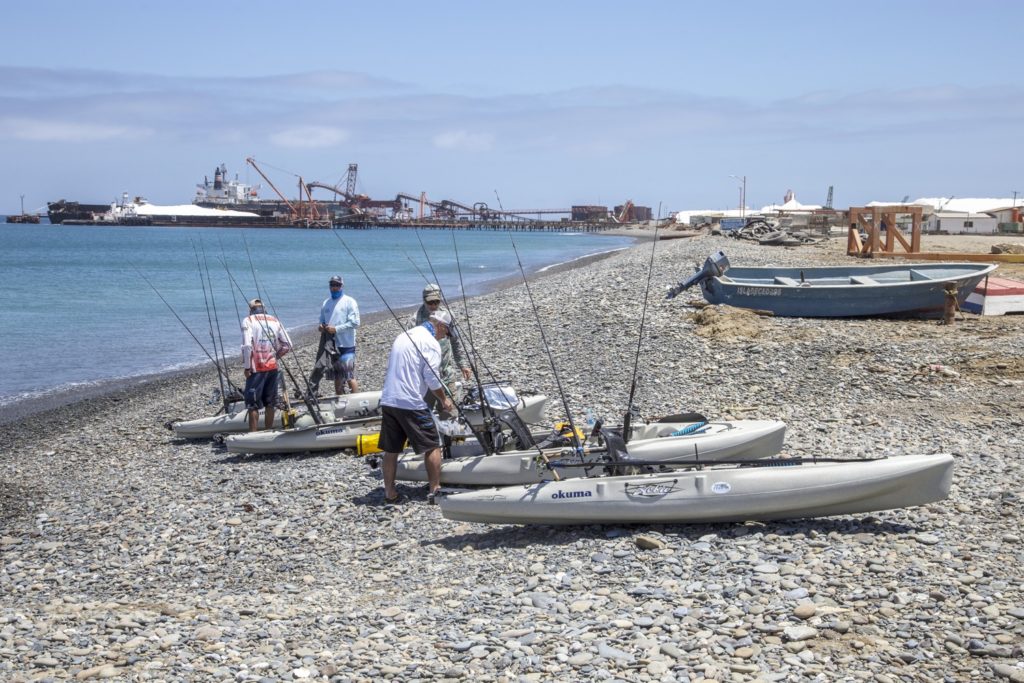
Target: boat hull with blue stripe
[(838, 292)]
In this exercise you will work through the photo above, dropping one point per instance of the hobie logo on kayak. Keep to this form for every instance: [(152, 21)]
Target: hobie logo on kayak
[(721, 487), (558, 495)]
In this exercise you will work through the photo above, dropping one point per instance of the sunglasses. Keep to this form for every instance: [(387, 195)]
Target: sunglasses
[(433, 303), (335, 285)]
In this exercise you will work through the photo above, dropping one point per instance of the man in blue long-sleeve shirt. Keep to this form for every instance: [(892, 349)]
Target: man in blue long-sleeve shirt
[(339, 318)]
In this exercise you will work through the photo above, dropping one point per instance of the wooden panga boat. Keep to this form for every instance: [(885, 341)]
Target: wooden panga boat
[(332, 409), (758, 490), (338, 435), (662, 442), (837, 291)]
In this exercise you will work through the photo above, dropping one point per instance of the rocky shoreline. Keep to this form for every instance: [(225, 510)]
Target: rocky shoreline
[(129, 555)]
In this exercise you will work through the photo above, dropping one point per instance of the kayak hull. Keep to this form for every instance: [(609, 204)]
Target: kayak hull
[(335, 408), (716, 494), (738, 439), (340, 435)]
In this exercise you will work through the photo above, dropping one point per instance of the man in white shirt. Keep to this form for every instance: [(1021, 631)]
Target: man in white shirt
[(414, 367)]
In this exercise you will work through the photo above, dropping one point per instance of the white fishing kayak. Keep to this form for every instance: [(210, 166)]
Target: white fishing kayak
[(715, 494), (654, 441), (332, 408), (345, 434)]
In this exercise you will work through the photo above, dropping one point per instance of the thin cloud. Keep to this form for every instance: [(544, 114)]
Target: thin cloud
[(67, 131), (464, 141), (310, 137)]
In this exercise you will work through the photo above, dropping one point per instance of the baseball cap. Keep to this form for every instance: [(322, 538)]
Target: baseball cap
[(431, 293), (254, 303), (336, 280)]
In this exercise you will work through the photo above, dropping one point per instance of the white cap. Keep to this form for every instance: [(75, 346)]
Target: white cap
[(442, 316)]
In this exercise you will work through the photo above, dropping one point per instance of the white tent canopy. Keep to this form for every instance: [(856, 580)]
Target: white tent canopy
[(964, 205)]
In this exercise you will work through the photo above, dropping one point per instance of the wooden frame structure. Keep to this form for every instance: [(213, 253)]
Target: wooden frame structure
[(874, 220)]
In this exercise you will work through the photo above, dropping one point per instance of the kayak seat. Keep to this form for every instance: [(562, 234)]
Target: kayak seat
[(862, 280), (684, 417), (788, 281)]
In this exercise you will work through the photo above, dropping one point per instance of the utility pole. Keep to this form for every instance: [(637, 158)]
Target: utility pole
[(743, 195)]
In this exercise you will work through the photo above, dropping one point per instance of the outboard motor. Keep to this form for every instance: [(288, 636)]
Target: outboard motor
[(714, 266)]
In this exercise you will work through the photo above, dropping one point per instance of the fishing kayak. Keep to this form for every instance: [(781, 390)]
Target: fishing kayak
[(760, 490), (667, 442), (332, 409), (336, 436)]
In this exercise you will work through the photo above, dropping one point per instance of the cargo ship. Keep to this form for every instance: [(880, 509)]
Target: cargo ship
[(221, 202)]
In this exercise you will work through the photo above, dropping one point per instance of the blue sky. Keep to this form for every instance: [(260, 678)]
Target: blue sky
[(549, 103)]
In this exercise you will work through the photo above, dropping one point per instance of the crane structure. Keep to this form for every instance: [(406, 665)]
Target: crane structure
[(352, 208), (301, 213)]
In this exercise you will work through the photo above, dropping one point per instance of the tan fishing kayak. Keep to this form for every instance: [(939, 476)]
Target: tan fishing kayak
[(732, 493), (333, 408), (345, 434), (655, 441)]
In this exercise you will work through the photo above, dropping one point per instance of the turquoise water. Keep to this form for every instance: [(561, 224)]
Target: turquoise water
[(74, 311)]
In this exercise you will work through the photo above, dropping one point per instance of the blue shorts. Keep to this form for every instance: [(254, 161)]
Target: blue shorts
[(261, 389)]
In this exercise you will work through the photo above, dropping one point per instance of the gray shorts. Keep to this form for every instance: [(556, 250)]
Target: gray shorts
[(345, 366)]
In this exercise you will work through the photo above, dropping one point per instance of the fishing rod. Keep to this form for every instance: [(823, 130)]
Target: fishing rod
[(484, 406), (183, 324), (628, 417), (699, 465), (213, 300), (480, 436), (416, 266), (234, 299), (209, 319), (469, 328), (315, 414), (547, 349), (520, 428), (273, 310)]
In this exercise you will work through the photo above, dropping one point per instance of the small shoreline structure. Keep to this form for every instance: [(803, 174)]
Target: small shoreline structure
[(28, 218)]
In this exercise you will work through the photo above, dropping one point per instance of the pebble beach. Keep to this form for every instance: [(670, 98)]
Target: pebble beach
[(127, 554)]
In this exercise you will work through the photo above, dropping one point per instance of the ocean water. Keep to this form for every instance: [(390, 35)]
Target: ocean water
[(75, 308)]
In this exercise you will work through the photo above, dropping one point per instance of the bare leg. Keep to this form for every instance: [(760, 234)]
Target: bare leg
[(432, 459), (389, 468), (339, 386), (270, 417), (353, 385), (254, 419)]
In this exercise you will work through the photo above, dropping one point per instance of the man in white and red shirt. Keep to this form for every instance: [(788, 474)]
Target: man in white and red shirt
[(264, 341)]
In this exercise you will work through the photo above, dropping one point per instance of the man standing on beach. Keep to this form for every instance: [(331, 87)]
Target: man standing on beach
[(414, 367), (264, 341), (453, 353), (339, 318)]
